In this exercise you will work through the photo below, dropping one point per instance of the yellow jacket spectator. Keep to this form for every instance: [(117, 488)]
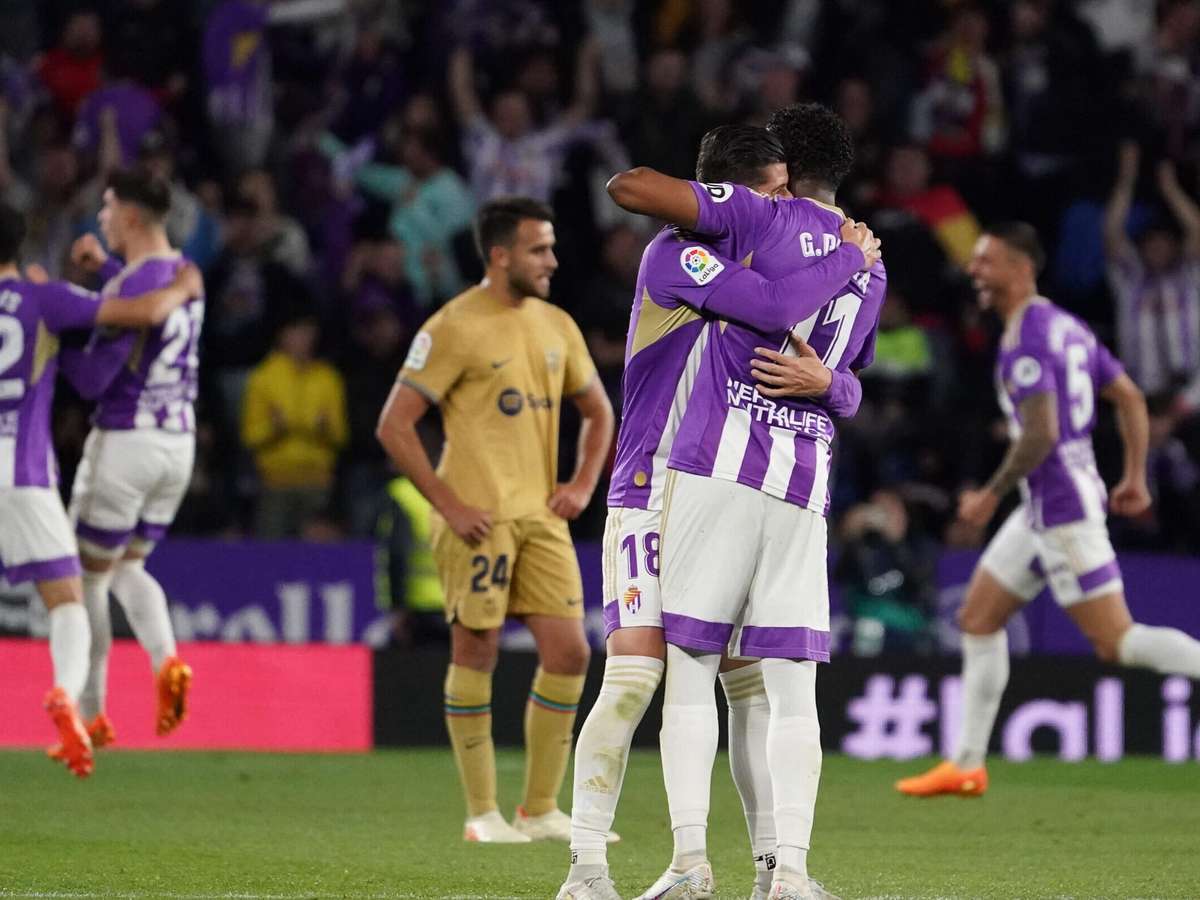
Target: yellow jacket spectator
[(294, 423)]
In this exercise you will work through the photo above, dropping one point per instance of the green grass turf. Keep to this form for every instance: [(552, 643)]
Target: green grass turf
[(388, 825)]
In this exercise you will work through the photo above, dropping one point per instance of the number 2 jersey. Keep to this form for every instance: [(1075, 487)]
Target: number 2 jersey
[(157, 369), (780, 446), (1047, 350)]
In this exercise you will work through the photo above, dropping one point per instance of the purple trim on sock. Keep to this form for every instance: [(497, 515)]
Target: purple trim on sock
[(612, 618), (684, 631), (104, 537), (43, 570), (785, 643), (151, 531), (1089, 581)]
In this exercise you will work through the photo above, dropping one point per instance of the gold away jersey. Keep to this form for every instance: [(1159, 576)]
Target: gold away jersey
[(499, 373)]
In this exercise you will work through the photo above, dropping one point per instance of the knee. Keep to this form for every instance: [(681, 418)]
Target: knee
[(570, 659), (1107, 647), (476, 650), (972, 621)]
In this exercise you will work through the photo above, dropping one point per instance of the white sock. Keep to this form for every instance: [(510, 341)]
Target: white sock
[(95, 601), (688, 742), (601, 755), (1165, 650), (69, 638), (749, 718), (145, 606), (985, 675), (794, 756)]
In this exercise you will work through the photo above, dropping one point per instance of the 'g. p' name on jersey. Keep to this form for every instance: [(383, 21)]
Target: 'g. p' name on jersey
[(777, 445), (1047, 350), (31, 318)]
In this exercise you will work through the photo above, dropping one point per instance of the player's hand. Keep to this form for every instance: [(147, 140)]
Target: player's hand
[(569, 500), (88, 253), (790, 376), (190, 280), (858, 234), (1130, 497), (976, 507), (470, 524), (36, 273)]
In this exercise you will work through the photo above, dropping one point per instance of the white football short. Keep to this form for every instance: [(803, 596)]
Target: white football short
[(36, 540), (630, 564), (1076, 560), (742, 572), (128, 487)]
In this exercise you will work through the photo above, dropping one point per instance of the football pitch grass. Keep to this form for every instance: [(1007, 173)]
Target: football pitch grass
[(388, 825)]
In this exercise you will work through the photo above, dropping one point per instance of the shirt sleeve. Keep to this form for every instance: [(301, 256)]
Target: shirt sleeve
[(844, 395), (727, 208), (435, 359), (1029, 371), (580, 370), (65, 306), (1108, 367), (92, 368)]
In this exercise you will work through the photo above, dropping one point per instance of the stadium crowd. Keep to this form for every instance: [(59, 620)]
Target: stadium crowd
[(326, 157)]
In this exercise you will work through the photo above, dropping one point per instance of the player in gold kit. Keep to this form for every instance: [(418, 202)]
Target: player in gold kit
[(498, 360)]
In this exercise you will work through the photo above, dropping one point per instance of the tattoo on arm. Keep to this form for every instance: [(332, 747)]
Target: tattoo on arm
[(1039, 434)]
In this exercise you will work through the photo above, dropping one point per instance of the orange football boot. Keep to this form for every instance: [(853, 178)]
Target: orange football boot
[(945, 778), (100, 730), (174, 679), (74, 744)]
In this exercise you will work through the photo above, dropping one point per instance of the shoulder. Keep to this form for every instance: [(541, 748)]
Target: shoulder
[(815, 208)]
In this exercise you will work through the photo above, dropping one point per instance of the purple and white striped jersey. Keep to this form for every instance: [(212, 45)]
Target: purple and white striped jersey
[(780, 446), (681, 286), (158, 383), (31, 318), (1047, 350)]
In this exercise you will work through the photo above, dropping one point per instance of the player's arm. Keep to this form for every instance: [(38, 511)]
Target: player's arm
[(1131, 495), (649, 192), (89, 254), (1116, 213), (146, 310), (595, 436), (1039, 434), (1183, 207), (805, 375), (397, 432)]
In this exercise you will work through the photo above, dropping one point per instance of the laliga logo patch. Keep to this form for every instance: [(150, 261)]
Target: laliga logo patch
[(418, 353), (553, 360), (700, 264), (1027, 371), (633, 599)]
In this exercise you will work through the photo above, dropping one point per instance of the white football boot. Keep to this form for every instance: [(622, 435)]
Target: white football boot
[(552, 826), (490, 828), (762, 891), (694, 884), (595, 887), (785, 888)]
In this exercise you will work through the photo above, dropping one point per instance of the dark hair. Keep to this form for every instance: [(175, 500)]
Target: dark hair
[(138, 186), (816, 140), (737, 153), (12, 233), (1021, 237), (497, 220)]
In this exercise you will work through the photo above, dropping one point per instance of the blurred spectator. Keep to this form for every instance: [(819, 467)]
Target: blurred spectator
[(72, 70), (406, 580), (14, 192), (610, 23), (716, 35), (940, 207), (430, 206), (153, 44), (280, 238), (855, 103), (51, 222), (886, 573), (1156, 284), (294, 422), (1172, 77), (903, 353), (959, 114), (133, 113), (370, 84), (668, 118), (505, 152)]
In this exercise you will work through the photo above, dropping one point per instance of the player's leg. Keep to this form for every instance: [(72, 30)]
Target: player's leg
[(1086, 581), (749, 718), (636, 650), (1007, 576), (710, 538), (475, 583), (547, 593)]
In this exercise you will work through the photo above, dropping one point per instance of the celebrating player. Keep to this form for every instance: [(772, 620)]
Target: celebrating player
[(499, 360), (682, 285), (36, 542), (743, 535), (1049, 372), (137, 460)]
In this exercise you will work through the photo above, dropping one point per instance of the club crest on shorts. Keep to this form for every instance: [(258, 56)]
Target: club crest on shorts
[(632, 599), (700, 264)]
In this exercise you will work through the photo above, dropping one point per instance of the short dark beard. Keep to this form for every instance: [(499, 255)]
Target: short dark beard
[(521, 288)]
